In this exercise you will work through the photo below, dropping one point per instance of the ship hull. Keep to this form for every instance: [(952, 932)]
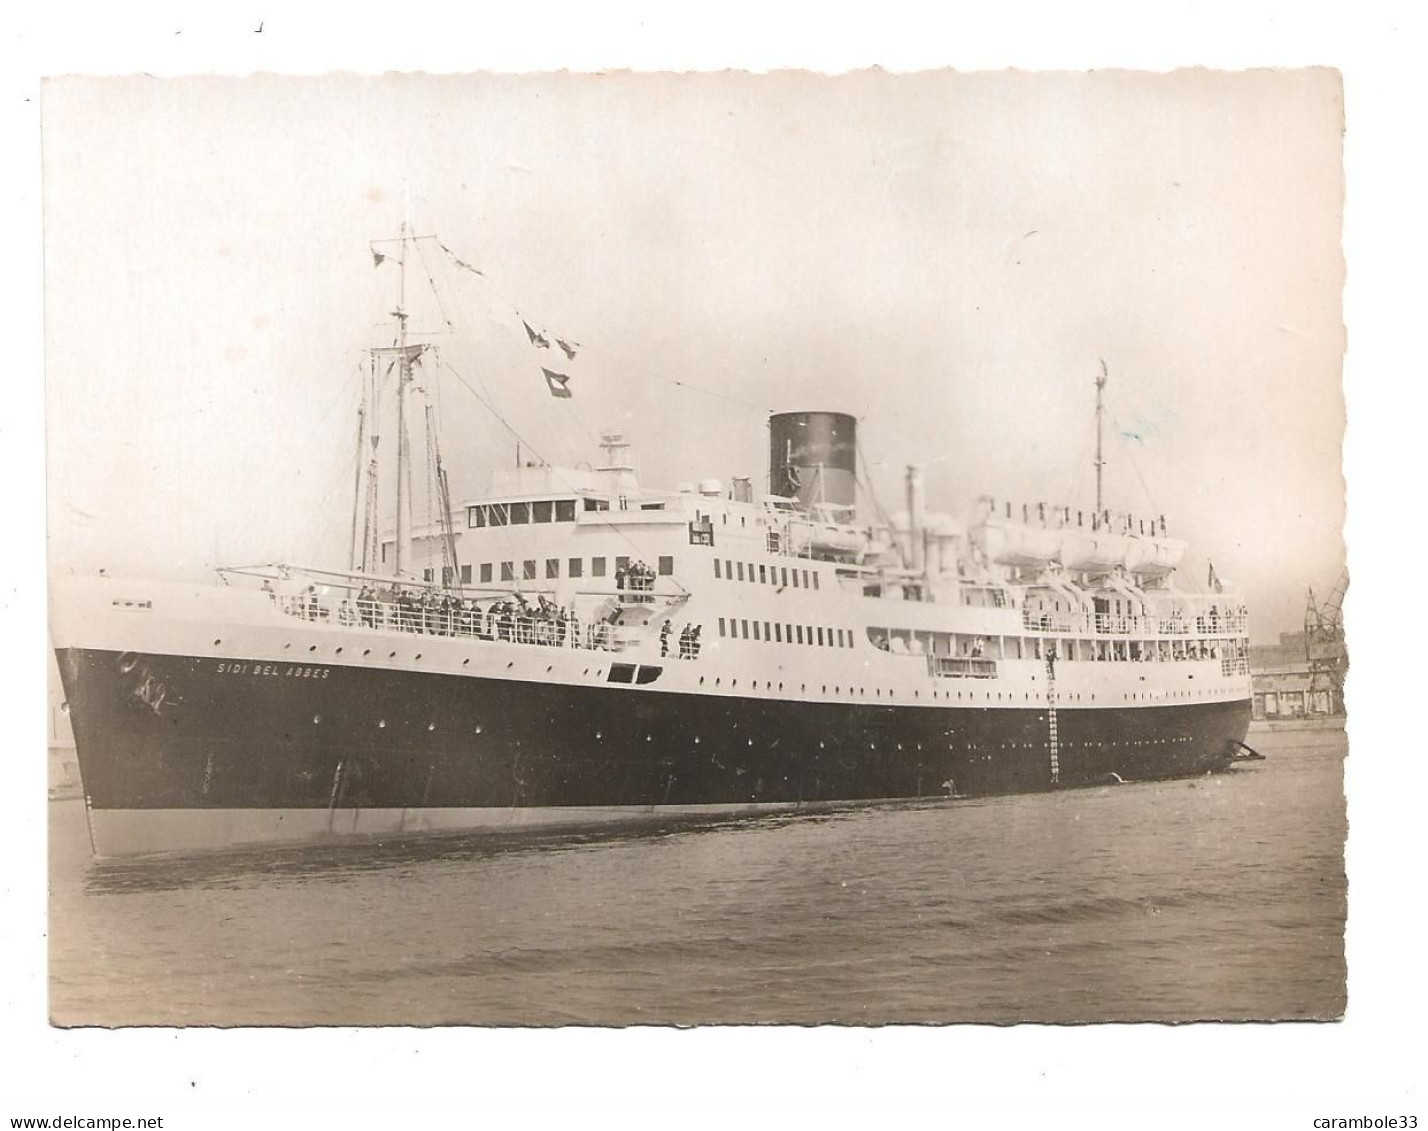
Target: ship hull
[(181, 752)]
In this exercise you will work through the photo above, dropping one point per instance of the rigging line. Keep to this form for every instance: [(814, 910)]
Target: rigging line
[(570, 408), (436, 293), (865, 463), (1130, 455), (616, 358), (326, 509), (555, 469)]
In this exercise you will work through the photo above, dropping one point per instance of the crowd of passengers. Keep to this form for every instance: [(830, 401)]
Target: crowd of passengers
[(1215, 620), (516, 619)]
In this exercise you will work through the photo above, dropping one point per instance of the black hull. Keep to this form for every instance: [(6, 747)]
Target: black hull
[(157, 732)]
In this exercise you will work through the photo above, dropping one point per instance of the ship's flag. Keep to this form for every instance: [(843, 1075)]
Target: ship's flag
[(377, 258), (569, 348), (1212, 582), (459, 261), (557, 383), (537, 339)]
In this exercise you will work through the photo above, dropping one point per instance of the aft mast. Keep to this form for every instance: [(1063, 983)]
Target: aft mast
[(1100, 418)]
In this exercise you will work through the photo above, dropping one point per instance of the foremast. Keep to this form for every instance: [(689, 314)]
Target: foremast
[(403, 356)]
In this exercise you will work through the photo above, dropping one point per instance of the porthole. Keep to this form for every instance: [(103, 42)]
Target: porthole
[(339, 651), (391, 655), (366, 651), (466, 661), (216, 643), (312, 648)]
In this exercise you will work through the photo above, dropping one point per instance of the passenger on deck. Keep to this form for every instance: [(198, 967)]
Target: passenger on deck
[(664, 631)]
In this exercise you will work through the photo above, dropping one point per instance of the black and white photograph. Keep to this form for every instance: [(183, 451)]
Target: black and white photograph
[(810, 533), (611, 550)]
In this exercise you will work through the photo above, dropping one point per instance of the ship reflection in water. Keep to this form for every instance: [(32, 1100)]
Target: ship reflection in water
[(1222, 897)]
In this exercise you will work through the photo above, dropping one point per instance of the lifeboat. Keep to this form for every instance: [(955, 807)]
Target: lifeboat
[(1016, 544), (1154, 557), (1092, 550)]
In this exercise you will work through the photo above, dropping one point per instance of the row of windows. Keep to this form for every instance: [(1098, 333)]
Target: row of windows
[(777, 633), (532, 569), (523, 514), (967, 645), (765, 574)]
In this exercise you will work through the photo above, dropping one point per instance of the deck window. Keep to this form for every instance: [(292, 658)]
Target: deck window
[(820, 636), (542, 511), (597, 504), (520, 514), (799, 629), (466, 575), (744, 629), (622, 563), (485, 573), (508, 571), (666, 565), (763, 576), (528, 570), (815, 579), (783, 572), (564, 510), (552, 568), (741, 570), (597, 567), (575, 567), (475, 516), (778, 633), (499, 514), (756, 631), (718, 573)]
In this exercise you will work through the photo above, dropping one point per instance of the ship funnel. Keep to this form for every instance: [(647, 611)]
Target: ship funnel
[(813, 457)]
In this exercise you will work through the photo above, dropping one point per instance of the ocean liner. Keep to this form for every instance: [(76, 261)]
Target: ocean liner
[(573, 648)]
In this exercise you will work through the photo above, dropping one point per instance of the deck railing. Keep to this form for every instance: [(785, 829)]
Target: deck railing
[(467, 622), (1116, 624)]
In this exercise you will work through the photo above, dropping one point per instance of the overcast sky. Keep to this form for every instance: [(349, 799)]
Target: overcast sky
[(948, 257)]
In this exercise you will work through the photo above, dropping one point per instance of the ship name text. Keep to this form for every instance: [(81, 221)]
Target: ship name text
[(295, 671)]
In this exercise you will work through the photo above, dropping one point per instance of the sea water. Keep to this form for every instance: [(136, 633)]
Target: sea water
[(1218, 897)]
